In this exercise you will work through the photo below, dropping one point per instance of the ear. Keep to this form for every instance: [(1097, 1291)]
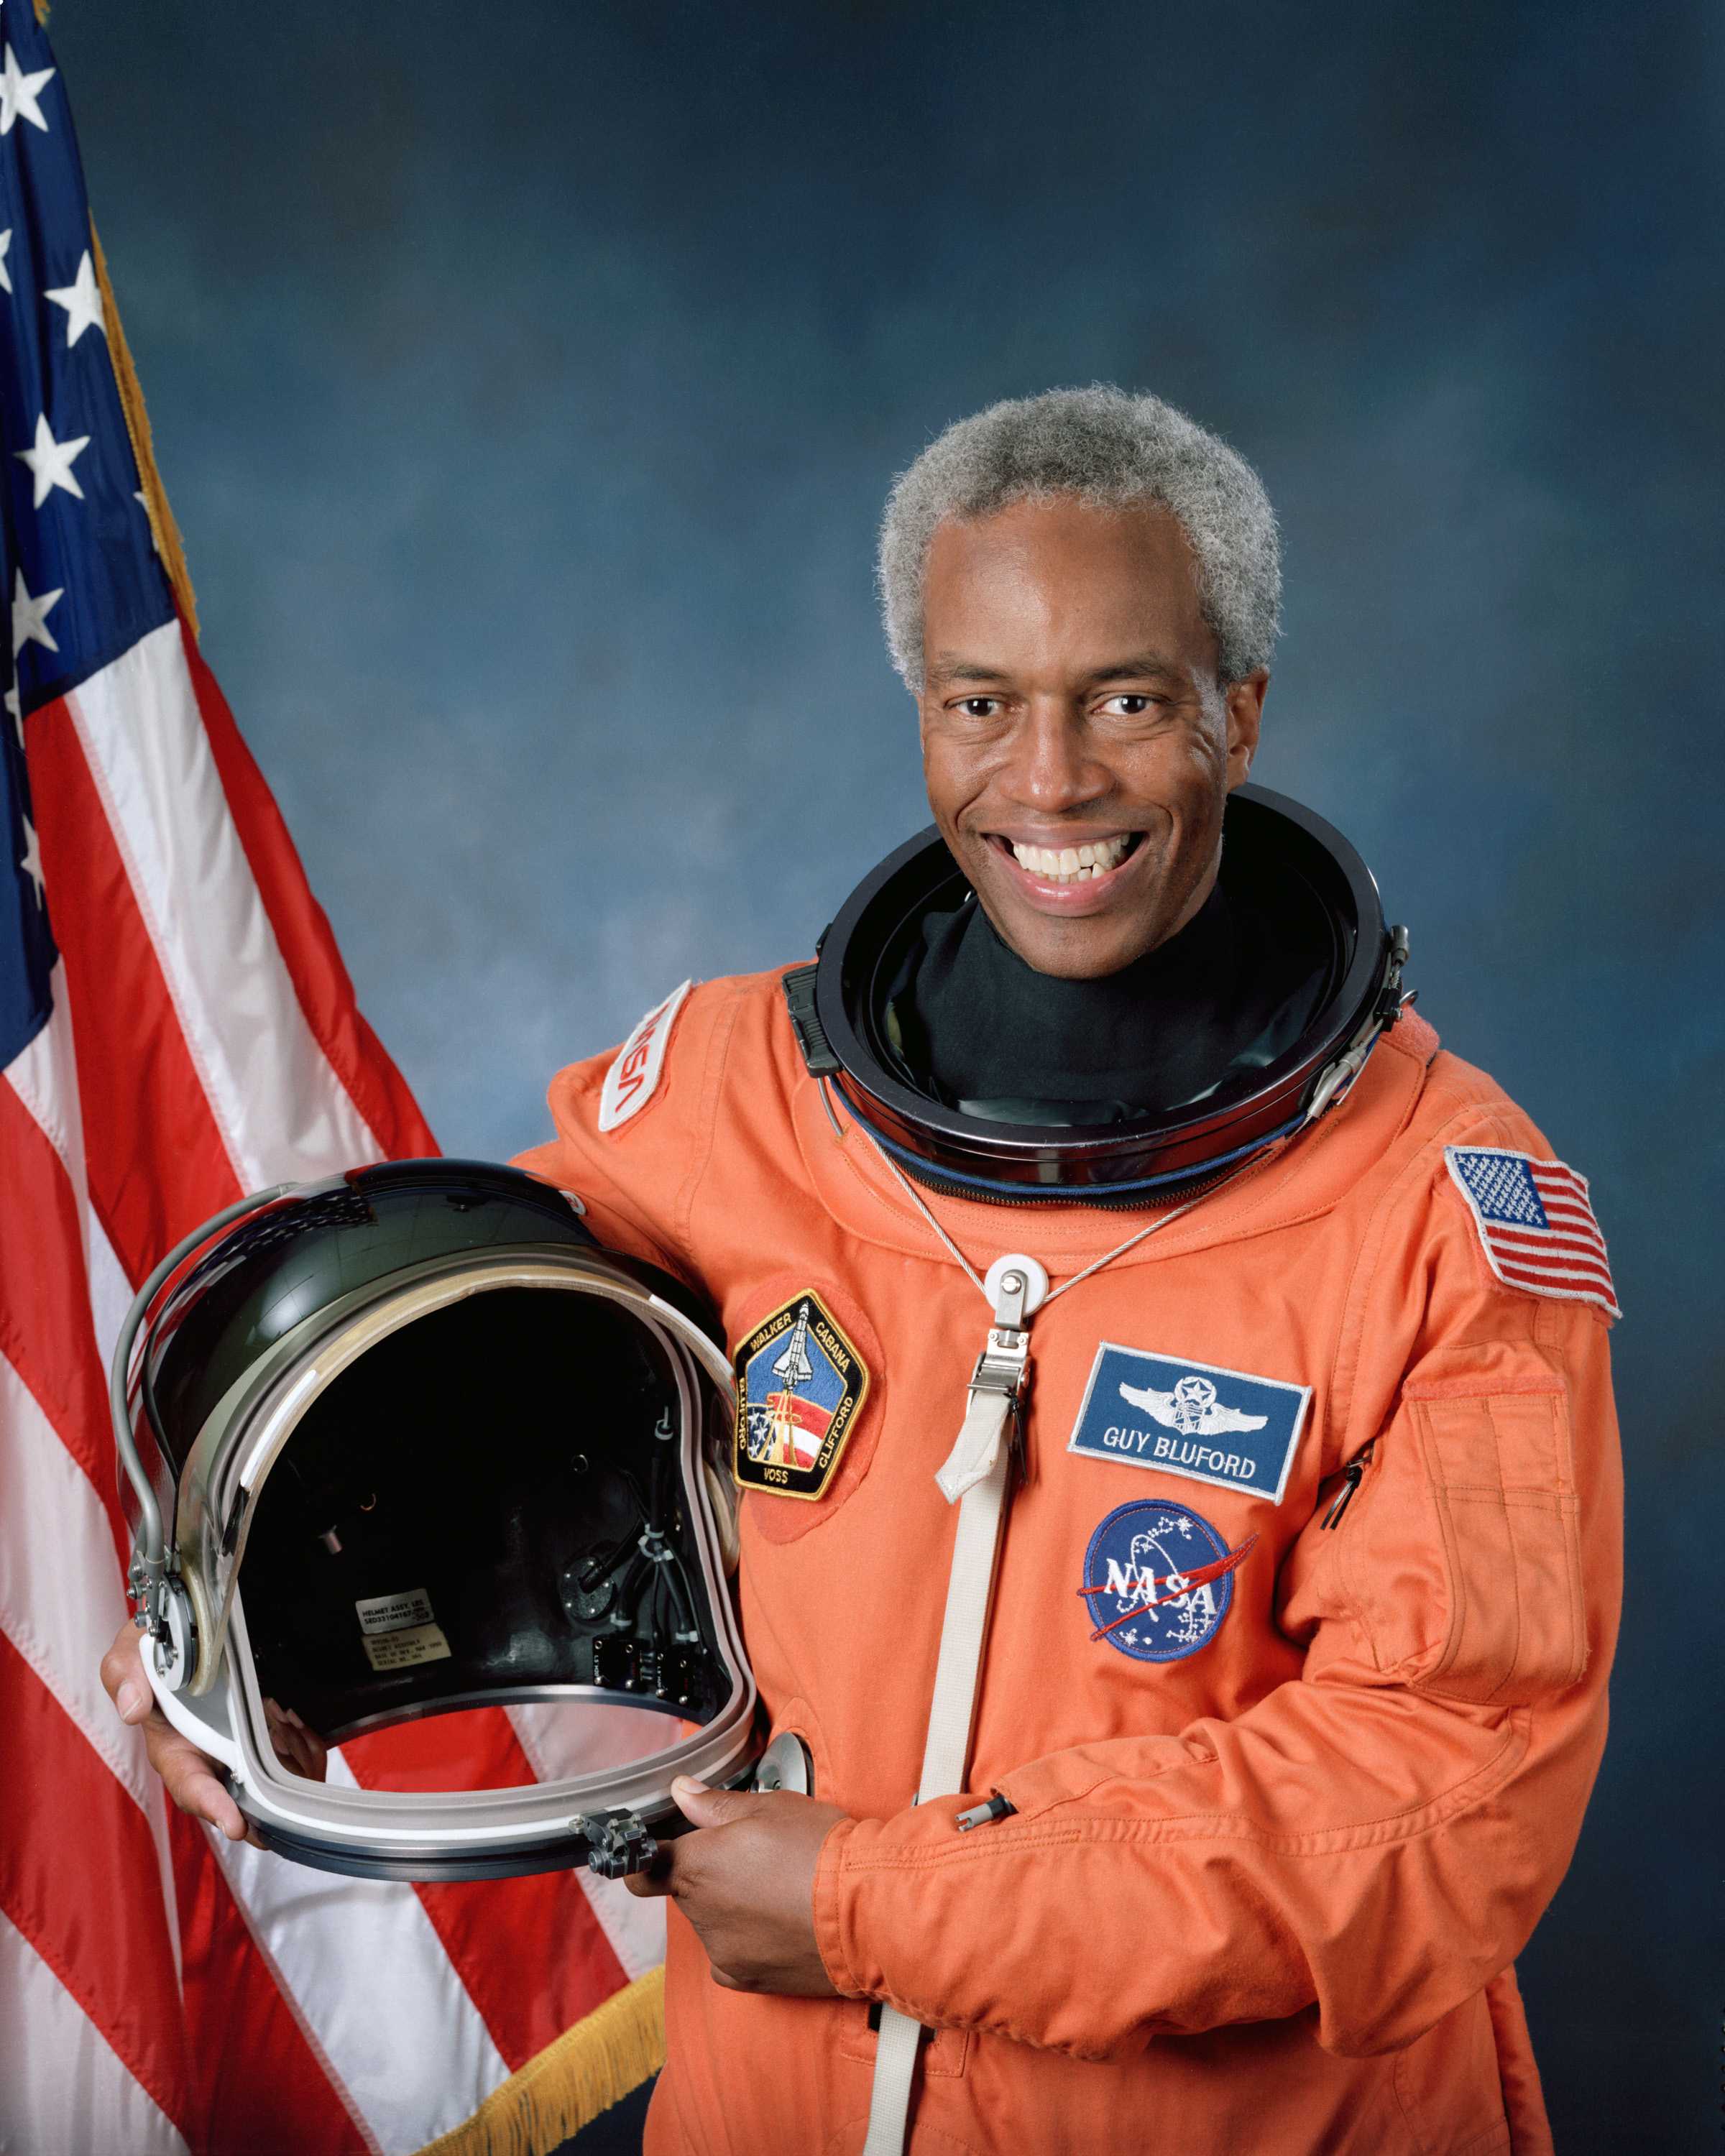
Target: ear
[(1245, 715)]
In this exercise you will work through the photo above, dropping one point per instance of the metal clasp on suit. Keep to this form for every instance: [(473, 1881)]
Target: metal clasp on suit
[(1004, 1359)]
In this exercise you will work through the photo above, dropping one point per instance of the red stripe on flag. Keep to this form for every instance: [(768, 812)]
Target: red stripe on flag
[(1563, 1197), (80, 1878), (1575, 1217), (302, 931), (1556, 1245), (46, 1328), (1554, 1261), (807, 1415), (259, 2081), (1561, 1249), (1564, 1283), (154, 1155), (236, 2097), (1560, 1284), (493, 1930)]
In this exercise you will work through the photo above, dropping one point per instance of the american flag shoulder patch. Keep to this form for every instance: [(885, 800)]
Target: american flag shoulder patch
[(1536, 1223)]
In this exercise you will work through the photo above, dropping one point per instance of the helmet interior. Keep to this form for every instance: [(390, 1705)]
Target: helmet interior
[(491, 1504)]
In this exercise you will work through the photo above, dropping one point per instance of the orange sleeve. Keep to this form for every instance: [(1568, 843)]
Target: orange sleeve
[(1377, 1838), (635, 1180)]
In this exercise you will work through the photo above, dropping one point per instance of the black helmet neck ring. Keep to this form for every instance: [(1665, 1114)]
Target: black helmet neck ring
[(836, 1009)]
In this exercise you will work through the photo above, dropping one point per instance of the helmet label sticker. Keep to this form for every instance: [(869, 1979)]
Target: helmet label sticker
[(800, 1385), (391, 1613), (1224, 1427), (1158, 1580), (639, 1065), (400, 1630)]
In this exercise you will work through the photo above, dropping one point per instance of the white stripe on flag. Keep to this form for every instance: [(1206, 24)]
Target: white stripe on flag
[(370, 1982), (44, 1077), (281, 1109), (55, 2065), (61, 1601), (565, 1739), (60, 1597)]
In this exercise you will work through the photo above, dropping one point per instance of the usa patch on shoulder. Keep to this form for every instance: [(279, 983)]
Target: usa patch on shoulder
[(639, 1065), (1536, 1223)]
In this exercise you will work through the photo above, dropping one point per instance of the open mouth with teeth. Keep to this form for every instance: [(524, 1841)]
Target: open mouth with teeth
[(1083, 864)]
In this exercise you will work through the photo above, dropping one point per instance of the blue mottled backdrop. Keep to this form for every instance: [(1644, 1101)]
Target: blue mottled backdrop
[(527, 379)]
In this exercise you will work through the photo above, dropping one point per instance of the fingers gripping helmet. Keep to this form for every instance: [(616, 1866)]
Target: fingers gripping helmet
[(410, 1441)]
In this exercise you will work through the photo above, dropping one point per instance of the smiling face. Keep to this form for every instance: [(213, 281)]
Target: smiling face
[(1077, 745)]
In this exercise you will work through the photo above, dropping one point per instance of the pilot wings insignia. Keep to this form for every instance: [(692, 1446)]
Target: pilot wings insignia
[(1192, 1407)]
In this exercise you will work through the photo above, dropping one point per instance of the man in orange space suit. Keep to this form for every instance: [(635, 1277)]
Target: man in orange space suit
[(1174, 1416)]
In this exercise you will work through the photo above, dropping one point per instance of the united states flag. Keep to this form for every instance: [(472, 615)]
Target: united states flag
[(1536, 1222), (175, 1028)]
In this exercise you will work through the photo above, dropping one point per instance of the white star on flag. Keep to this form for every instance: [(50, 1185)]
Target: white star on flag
[(18, 95), (50, 461), (29, 615), (82, 300), (15, 705), (31, 862), (5, 249)]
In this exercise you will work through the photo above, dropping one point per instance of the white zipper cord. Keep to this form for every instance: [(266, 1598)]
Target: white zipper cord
[(1142, 1234), (975, 1476)]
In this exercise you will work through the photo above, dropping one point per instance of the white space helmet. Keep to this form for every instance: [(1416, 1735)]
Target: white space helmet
[(409, 1443)]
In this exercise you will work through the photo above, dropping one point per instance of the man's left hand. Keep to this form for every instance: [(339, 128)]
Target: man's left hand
[(745, 1879)]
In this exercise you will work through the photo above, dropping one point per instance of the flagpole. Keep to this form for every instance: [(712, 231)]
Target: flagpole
[(163, 529)]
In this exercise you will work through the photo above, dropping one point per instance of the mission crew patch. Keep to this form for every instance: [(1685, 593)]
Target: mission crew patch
[(1225, 1427), (800, 1386)]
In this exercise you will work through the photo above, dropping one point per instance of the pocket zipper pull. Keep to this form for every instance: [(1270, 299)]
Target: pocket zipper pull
[(997, 1808), (1353, 1474)]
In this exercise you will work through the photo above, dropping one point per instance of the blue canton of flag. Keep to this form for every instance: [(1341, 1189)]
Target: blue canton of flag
[(78, 562)]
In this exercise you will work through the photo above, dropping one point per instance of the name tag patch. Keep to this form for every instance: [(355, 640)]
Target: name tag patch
[(1224, 1427)]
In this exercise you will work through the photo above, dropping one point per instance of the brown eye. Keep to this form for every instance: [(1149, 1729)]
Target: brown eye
[(977, 707)]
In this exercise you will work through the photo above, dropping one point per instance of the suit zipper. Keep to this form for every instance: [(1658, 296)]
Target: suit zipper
[(1353, 1474)]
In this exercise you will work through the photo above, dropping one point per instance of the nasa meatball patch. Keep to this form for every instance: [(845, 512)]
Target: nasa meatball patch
[(800, 1386), (1225, 1427), (1158, 1580)]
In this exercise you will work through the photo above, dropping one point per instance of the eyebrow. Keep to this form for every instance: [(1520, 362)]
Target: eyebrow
[(948, 666), (1136, 667)]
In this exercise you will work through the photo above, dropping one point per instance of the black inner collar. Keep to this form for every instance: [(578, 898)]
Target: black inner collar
[(976, 1028)]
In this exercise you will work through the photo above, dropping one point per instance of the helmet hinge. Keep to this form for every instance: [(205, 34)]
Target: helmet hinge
[(818, 1057)]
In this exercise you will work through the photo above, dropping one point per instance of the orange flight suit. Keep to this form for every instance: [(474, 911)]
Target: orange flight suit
[(1260, 1896)]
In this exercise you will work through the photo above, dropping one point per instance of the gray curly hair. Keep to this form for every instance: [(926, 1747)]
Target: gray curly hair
[(1108, 449)]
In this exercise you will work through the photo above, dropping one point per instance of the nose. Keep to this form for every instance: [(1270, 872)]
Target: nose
[(1053, 769)]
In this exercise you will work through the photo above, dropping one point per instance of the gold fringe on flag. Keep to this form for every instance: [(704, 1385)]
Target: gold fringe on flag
[(590, 2067), (166, 532)]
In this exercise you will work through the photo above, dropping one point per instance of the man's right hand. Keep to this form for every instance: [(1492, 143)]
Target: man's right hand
[(190, 1777)]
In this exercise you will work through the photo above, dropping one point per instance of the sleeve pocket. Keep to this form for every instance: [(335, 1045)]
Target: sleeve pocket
[(1498, 1466)]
